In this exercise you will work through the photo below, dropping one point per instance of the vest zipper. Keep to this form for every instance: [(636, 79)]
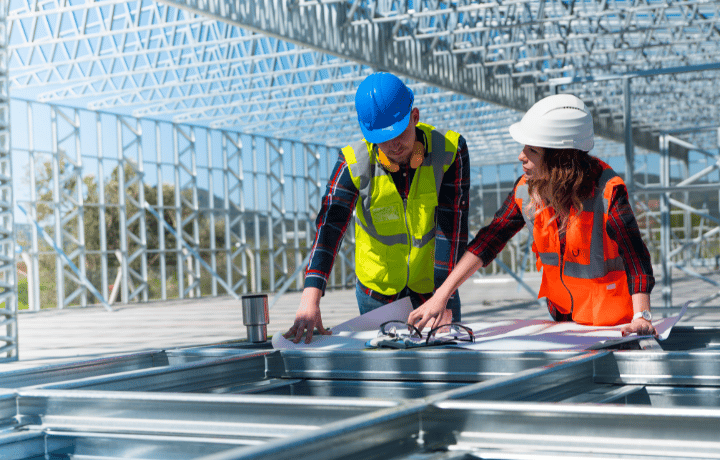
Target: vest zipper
[(562, 278), (407, 229)]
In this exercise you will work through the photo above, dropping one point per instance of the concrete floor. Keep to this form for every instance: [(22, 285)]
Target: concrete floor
[(54, 336)]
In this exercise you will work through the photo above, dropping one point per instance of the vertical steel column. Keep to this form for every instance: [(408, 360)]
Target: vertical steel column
[(269, 216), (178, 217), (160, 191), (235, 240), (68, 203), (195, 214), (8, 271), (629, 150), (136, 245), (665, 222), (211, 212), (59, 278), (122, 212), (257, 281), (34, 249), (647, 213), (102, 206), (296, 183), (687, 215), (79, 211), (276, 213), (181, 188)]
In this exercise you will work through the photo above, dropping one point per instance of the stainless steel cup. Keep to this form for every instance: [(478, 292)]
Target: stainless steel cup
[(256, 316)]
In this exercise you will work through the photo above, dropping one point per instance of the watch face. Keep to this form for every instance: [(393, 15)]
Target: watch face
[(647, 315)]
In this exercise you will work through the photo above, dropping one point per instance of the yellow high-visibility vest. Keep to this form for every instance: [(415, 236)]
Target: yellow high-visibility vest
[(395, 239)]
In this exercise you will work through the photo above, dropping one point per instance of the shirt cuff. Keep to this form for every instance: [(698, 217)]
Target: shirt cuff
[(316, 282), (641, 284)]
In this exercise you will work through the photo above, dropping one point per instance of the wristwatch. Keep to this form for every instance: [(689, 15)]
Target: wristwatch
[(644, 314)]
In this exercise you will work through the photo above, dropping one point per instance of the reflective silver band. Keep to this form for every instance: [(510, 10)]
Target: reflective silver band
[(387, 240), (550, 258), (427, 238)]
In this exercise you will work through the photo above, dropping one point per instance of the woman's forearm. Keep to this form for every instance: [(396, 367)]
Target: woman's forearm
[(469, 263)]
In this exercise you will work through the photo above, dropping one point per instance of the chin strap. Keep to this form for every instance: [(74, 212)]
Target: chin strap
[(416, 159)]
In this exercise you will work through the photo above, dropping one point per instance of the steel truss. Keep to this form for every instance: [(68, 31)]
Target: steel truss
[(254, 199), (265, 70)]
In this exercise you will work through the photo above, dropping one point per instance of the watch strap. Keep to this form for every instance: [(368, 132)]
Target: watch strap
[(645, 314)]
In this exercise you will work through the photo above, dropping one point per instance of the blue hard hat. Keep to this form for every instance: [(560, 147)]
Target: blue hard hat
[(383, 105)]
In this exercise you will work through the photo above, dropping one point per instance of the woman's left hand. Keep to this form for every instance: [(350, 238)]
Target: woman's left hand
[(639, 326)]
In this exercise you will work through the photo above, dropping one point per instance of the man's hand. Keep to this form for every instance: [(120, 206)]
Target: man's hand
[(432, 312), (639, 326), (307, 317)]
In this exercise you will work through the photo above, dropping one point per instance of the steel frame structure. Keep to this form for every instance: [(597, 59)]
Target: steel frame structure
[(244, 180), (246, 401), (263, 69), (254, 76), (8, 269)]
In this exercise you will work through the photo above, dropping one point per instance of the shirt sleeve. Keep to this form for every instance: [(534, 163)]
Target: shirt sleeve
[(331, 223), (491, 239), (623, 229), (451, 232)]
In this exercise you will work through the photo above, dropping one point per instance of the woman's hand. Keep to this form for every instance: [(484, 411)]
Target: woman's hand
[(639, 326), (432, 313)]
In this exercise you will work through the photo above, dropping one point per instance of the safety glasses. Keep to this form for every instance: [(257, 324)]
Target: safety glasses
[(450, 333), (443, 334)]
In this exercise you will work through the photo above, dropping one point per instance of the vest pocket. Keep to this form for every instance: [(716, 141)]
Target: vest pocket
[(424, 216), (612, 303), (388, 220)]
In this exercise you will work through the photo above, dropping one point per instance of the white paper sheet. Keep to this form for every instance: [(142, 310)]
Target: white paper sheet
[(354, 333), (515, 335), (525, 335)]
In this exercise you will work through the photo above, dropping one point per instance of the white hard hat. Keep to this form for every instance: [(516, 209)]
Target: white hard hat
[(560, 121)]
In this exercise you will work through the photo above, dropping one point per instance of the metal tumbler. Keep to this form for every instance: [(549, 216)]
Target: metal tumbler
[(256, 316)]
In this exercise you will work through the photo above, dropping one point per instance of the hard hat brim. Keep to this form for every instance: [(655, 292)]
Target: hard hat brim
[(377, 136), (519, 135)]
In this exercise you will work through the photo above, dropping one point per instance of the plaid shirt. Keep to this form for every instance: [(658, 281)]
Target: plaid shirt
[(621, 227), (451, 232)]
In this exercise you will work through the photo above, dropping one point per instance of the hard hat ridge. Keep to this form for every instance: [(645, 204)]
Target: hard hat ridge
[(383, 105), (557, 121)]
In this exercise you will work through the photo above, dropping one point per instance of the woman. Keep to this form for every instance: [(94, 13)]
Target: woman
[(596, 268)]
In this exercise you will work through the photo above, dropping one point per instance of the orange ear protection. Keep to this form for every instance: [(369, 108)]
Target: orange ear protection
[(416, 159)]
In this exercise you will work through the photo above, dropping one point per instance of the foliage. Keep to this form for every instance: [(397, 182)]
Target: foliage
[(96, 215)]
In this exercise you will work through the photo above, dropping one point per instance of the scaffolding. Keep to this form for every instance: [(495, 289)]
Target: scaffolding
[(221, 120)]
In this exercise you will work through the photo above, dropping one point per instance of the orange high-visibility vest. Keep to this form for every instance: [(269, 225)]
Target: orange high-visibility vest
[(588, 279)]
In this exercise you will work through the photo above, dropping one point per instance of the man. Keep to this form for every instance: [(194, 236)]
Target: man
[(412, 182)]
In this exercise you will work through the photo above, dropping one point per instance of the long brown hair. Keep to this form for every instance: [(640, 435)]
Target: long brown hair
[(569, 178)]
